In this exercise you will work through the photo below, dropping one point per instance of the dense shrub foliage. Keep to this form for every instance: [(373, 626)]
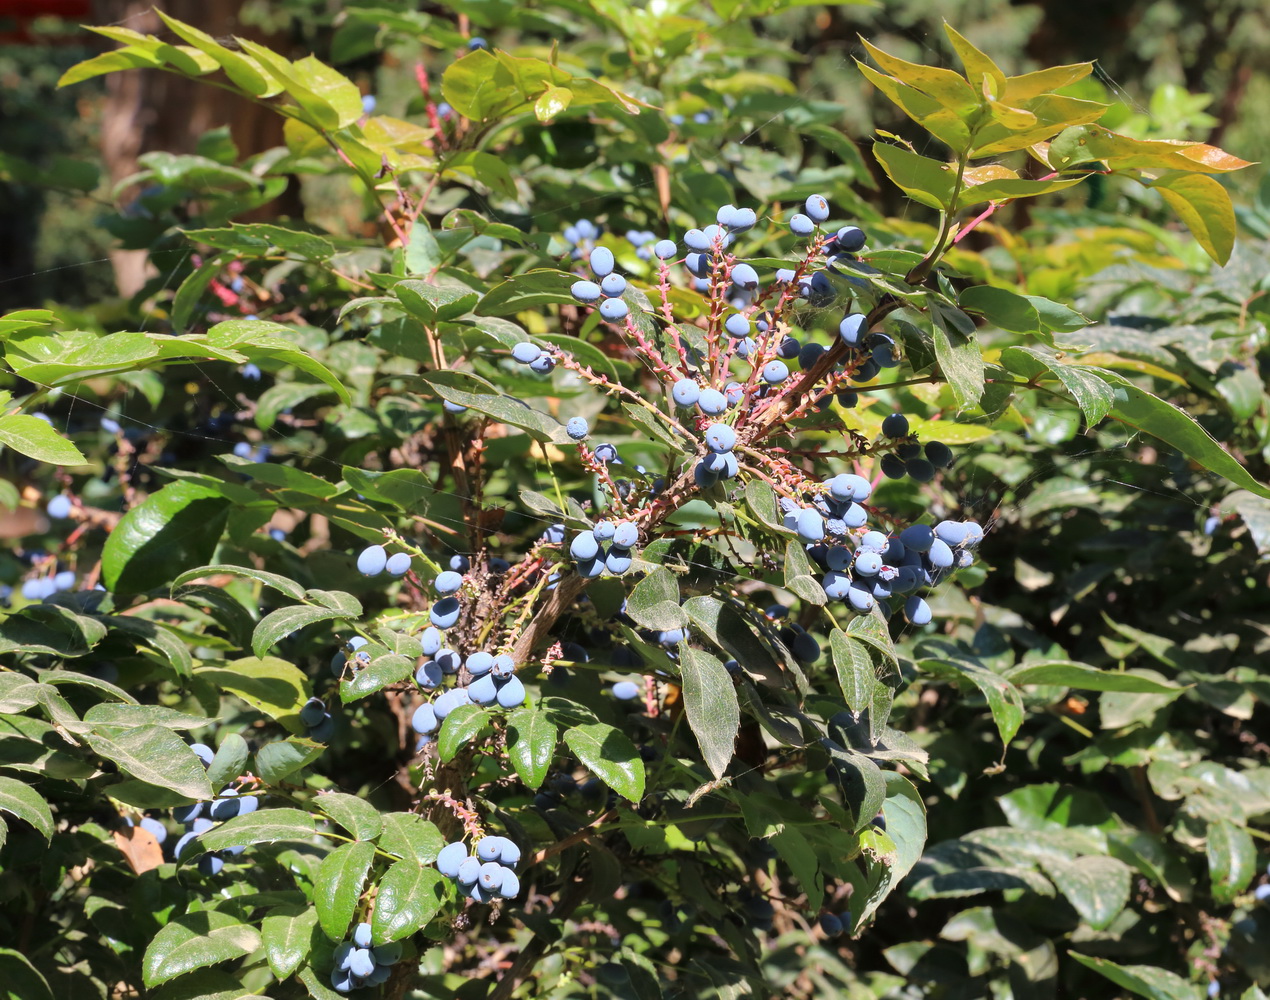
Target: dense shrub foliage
[(598, 552)]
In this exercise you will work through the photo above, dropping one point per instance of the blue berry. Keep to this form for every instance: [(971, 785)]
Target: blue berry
[(424, 720), (511, 694), (775, 372), (483, 690), (850, 239), (618, 560), (851, 329), (685, 392), (503, 667), (917, 611), (601, 262), (445, 613), (800, 225), (817, 207), (847, 486), (720, 438), (940, 555), (789, 348), (584, 547), (939, 454), (398, 563), (604, 530), (874, 541), (703, 476), (361, 936), (312, 711), (577, 428), (585, 291), (868, 563), (613, 309), (625, 690), (613, 285), (745, 276), (625, 534), (895, 426), (607, 453), (734, 392), (473, 43), (809, 354), (918, 537), (784, 276), (665, 249), (59, 507), (479, 663), (892, 467), (372, 560), (447, 582), (737, 325), (741, 220), (712, 402), (811, 525), (697, 240)]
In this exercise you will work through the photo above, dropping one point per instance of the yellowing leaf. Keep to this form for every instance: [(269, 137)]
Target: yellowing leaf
[(552, 102), (981, 71), (1029, 85), (1204, 205), (945, 86)]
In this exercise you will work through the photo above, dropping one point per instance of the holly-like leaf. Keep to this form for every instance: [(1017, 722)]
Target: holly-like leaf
[(338, 886), (610, 756)]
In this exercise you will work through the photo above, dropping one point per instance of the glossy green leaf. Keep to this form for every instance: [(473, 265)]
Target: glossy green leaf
[(905, 817), (1232, 859), (1204, 206), (230, 760), (1004, 700), (264, 826), (1097, 887), (156, 756), (928, 182), (338, 886), (19, 979), (610, 756), (1065, 673), (654, 601), (287, 933), (36, 439), (409, 835), (267, 684), (710, 701), (356, 815), (19, 799), (476, 394), (1147, 981), (280, 624), (458, 728), (194, 941), (173, 530), (280, 759), (409, 896), (531, 745)]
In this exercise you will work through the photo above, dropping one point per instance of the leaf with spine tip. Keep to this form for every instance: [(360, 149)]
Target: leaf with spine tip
[(531, 745), (460, 727), (196, 940), (610, 756), (287, 934), (338, 886), (710, 702), (264, 826), (408, 897), (354, 814), (156, 756), (268, 684), (282, 584), (277, 625)]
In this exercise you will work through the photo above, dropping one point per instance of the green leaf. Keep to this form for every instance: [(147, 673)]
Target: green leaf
[(960, 361), (279, 583), (230, 760), (854, 667), (1232, 859), (552, 102), (863, 784), (723, 625), (194, 941), (278, 625), (353, 813), (264, 826), (531, 745), (244, 71), (268, 684), (52, 630), (1065, 673), (287, 933), (19, 979), (610, 756), (1145, 980), (1004, 700), (338, 886), (928, 182), (905, 817), (156, 756), (19, 799), (1204, 206), (409, 835), (279, 760), (800, 578), (34, 438), (409, 896), (377, 675), (654, 601), (431, 304), (111, 715), (459, 727), (1154, 416), (1098, 887), (171, 531), (477, 394), (710, 701), (1087, 385), (527, 291)]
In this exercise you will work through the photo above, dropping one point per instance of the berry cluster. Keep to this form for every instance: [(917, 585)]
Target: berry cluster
[(485, 875), (581, 237), (359, 962), (608, 291), (834, 924), (374, 559), (592, 558), (202, 816), (318, 724)]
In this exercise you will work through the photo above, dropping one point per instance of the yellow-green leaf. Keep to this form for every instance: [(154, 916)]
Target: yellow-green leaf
[(927, 181), (1204, 206), (552, 102)]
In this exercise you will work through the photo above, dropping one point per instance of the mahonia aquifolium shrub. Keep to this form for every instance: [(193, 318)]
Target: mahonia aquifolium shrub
[(646, 713)]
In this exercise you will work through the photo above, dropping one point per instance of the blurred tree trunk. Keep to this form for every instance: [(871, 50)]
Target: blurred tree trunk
[(148, 110)]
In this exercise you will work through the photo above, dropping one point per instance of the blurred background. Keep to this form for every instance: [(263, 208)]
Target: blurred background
[(1178, 68)]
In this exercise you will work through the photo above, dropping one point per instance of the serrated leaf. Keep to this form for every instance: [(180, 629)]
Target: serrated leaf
[(409, 835), (34, 438), (287, 933), (156, 756), (19, 799), (194, 941), (610, 756), (268, 684), (277, 625), (1148, 981), (710, 701), (282, 584), (654, 601), (338, 886), (460, 726), (409, 896), (531, 745), (264, 826), (354, 814)]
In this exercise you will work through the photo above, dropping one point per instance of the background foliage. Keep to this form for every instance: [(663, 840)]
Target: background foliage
[(1079, 731)]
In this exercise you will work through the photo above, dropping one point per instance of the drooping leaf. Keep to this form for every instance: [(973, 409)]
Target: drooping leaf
[(710, 702), (338, 886)]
